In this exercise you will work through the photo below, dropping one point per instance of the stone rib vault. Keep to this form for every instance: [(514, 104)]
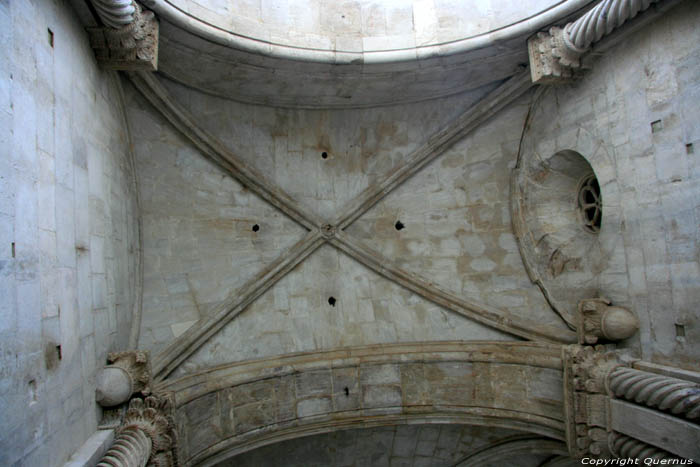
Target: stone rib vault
[(314, 233)]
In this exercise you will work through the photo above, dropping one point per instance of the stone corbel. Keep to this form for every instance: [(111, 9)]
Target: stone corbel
[(551, 62), (129, 40), (597, 320), (555, 55), (128, 373)]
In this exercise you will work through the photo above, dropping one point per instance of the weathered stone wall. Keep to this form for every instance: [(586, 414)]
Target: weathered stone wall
[(231, 409), (68, 231), (455, 215), (634, 117), (403, 445)]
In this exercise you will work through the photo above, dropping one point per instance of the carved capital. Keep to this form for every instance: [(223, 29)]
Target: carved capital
[(551, 61), (554, 56), (597, 319), (146, 436), (133, 46)]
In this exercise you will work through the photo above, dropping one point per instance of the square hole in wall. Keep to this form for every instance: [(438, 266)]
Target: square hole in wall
[(50, 36), (689, 148), (680, 330), (656, 126)]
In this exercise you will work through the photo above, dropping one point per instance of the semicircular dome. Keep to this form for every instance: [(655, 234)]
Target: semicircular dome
[(351, 53), (365, 26)]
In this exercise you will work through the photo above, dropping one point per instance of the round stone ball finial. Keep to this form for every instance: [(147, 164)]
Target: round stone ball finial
[(114, 386), (618, 323)]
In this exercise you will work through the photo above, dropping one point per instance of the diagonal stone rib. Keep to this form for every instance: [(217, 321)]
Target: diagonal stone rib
[(489, 316), (436, 145), (185, 345), (212, 148)]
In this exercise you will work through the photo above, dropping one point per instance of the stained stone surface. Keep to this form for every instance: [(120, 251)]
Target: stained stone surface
[(199, 237), (296, 316), (358, 25), (68, 232), (412, 445), (634, 118), (456, 221), (70, 221), (362, 145), (311, 393)]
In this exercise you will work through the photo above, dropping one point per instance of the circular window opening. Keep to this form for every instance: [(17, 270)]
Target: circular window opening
[(590, 203)]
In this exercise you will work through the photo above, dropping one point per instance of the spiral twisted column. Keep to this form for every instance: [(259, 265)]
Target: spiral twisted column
[(554, 55), (146, 436), (129, 39), (132, 448), (115, 13), (600, 21), (624, 447), (658, 391)]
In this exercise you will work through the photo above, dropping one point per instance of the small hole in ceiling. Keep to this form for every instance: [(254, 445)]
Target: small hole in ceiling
[(256, 227), (50, 35), (399, 225), (324, 155), (59, 354), (347, 391), (331, 301)]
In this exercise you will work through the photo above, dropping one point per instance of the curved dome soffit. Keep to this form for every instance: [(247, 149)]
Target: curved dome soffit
[(208, 24), (329, 73)]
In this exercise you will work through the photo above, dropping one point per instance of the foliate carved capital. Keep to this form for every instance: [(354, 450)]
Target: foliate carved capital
[(130, 47), (554, 56), (154, 416), (597, 319), (586, 399), (146, 435), (551, 60), (137, 364)]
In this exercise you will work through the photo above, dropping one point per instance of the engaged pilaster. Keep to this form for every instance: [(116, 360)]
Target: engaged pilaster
[(586, 399)]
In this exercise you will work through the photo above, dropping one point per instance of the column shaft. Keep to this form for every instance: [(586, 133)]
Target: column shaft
[(132, 448), (674, 395)]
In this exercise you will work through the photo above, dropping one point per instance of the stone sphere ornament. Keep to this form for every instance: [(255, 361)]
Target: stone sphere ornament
[(114, 386), (618, 323)]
